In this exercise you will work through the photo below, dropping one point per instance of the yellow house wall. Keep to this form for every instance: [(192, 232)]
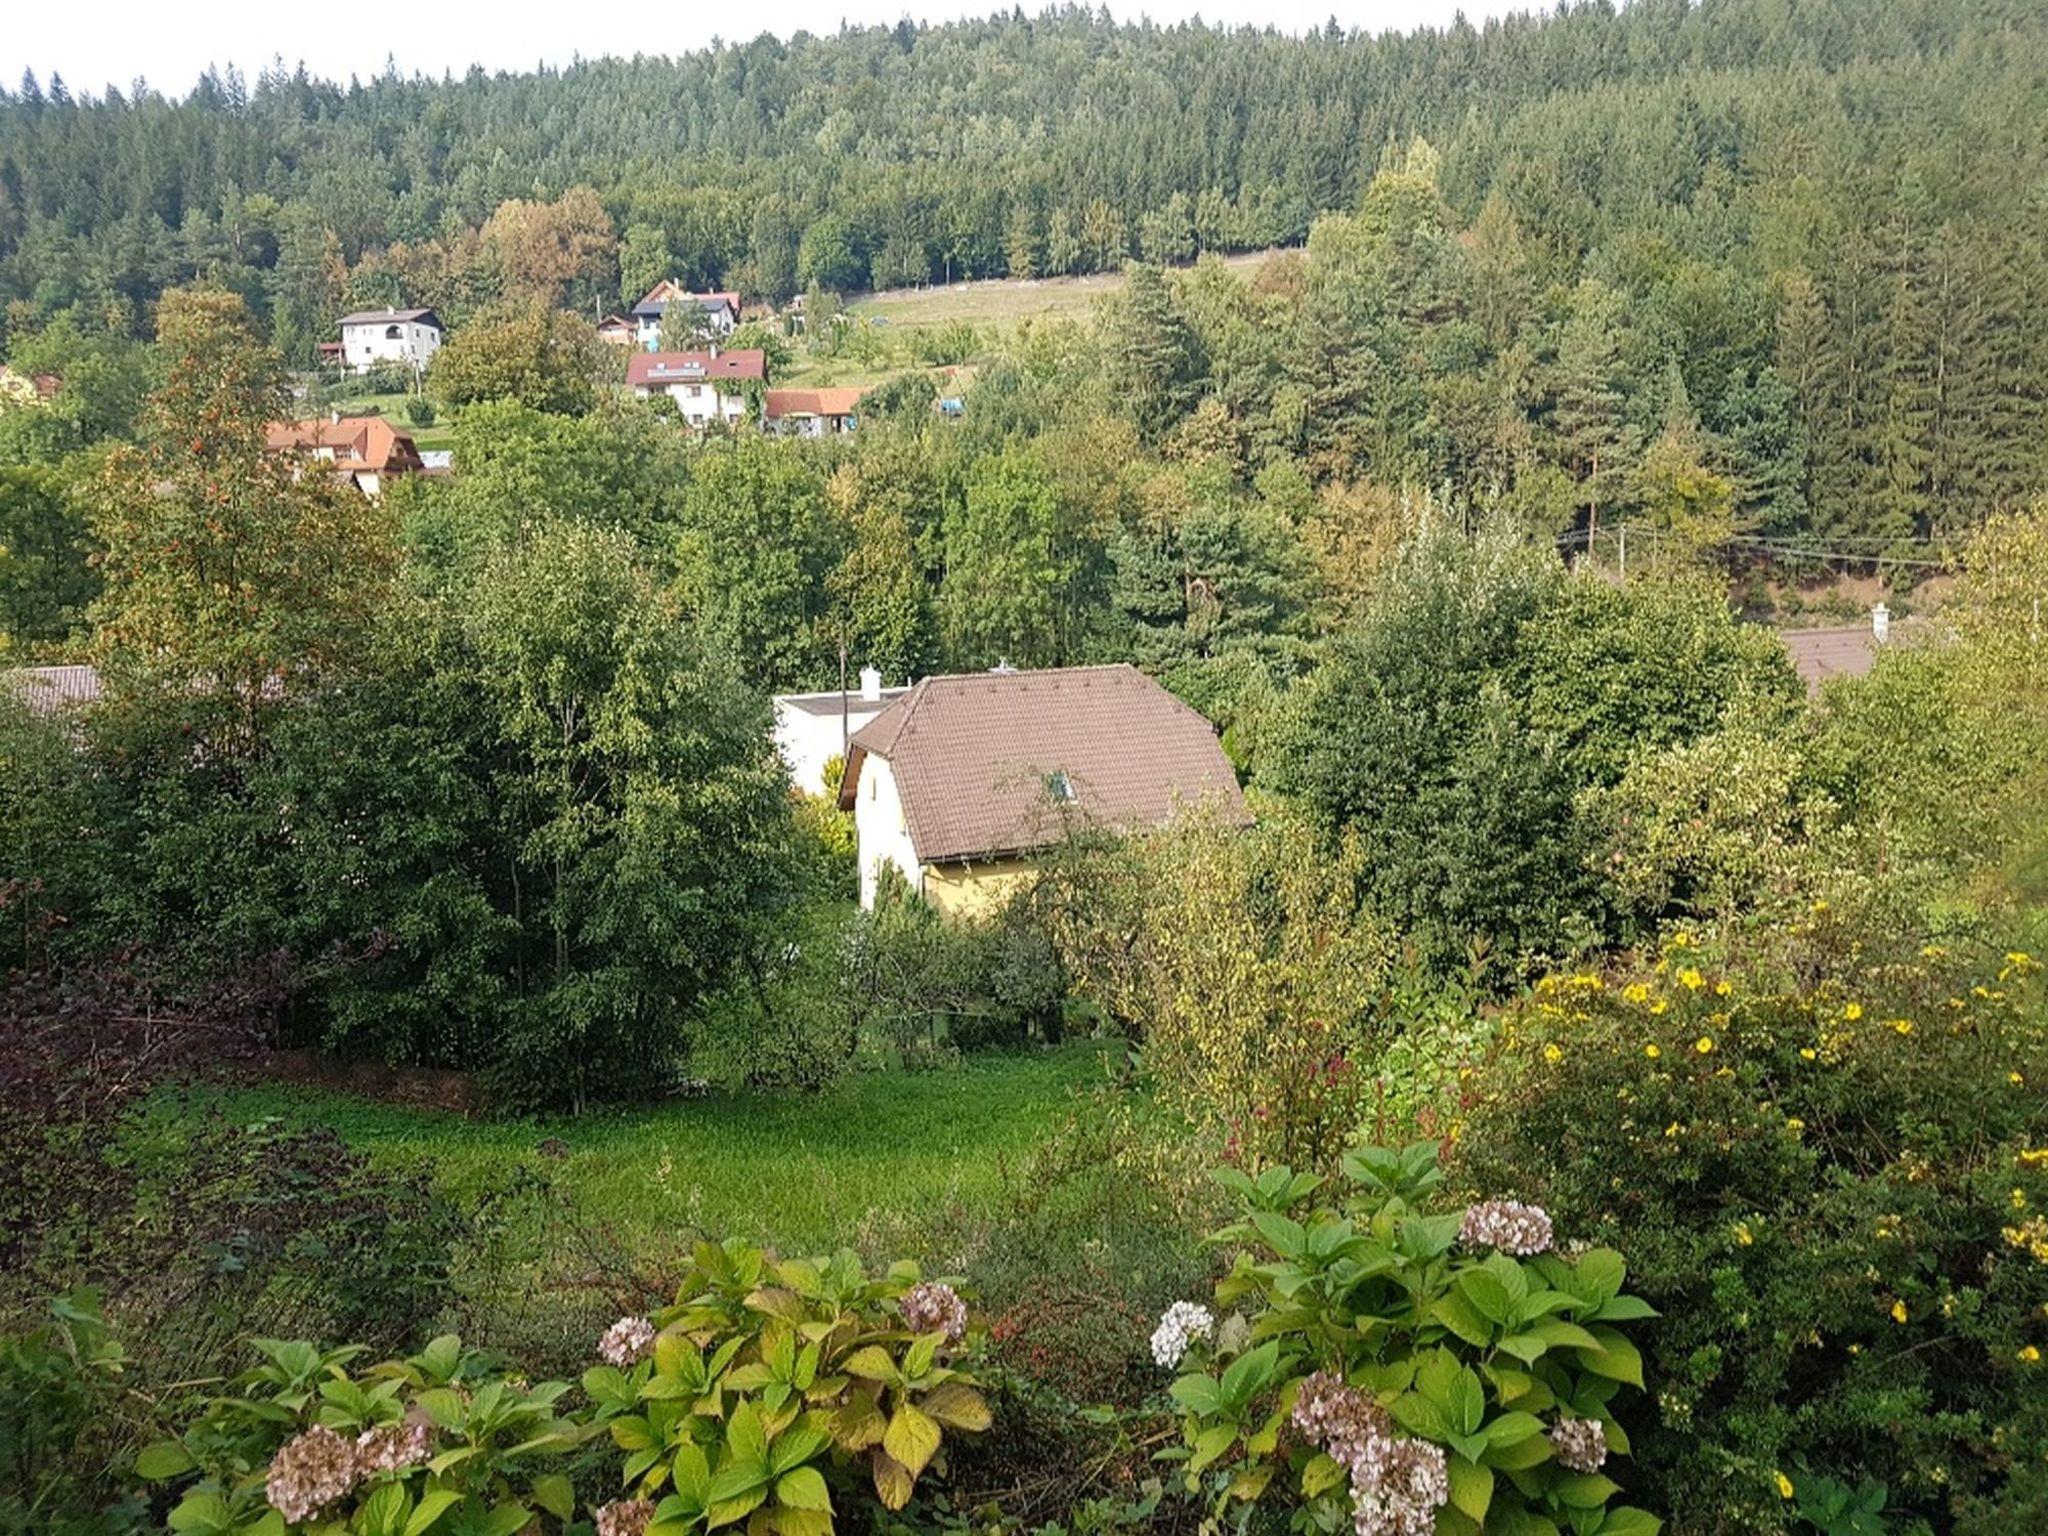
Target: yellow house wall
[(976, 890)]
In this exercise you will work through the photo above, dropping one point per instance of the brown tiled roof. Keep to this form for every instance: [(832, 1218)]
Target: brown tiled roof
[(1819, 654), (357, 442), (974, 757), (778, 403), (650, 370)]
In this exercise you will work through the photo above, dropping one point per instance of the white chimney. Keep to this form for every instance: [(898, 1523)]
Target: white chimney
[(1880, 623), (871, 685)]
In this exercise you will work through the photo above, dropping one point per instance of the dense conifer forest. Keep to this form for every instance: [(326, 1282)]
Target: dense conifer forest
[(1808, 230)]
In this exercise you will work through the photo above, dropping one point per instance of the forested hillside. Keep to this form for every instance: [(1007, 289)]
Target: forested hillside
[(1811, 228)]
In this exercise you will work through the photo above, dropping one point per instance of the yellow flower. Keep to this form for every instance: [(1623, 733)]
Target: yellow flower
[(2030, 1355), (1820, 906), (1784, 1485), (2019, 1199), (2034, 1157), (1853, 1012), (1636, 992), (1794, 1124), (1898, 1311), (2017, 1079), (1806, 1053), (1660, 1005), (1903, 1026), (1671, 1129), (1653, 1050), (1743, 1235), (1723, 987), (1552, 1054), (1704, 1045), (1691, 979)]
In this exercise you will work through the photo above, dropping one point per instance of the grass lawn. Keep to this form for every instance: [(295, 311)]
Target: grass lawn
[(392, 408), (1004, 301), (806, 1171)]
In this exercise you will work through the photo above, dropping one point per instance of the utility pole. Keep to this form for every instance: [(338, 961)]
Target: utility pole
[(1624, 553), (845, 736)]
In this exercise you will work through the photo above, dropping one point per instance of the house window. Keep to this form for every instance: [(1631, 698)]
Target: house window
[(394, 332)]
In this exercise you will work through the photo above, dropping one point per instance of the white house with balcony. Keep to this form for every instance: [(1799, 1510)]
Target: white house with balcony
[(706, 386), (381, 338)]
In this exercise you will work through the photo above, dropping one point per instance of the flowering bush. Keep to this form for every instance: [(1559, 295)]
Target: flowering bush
[(435, 1442), (1837, 1196), (1406, 1372), (747, 1398)]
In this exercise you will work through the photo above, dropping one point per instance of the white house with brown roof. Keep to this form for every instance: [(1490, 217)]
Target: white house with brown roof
[(375, 338), (965, 780), (713, 316), (706, 386)]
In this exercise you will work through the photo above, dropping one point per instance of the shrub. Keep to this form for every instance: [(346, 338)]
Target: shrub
[(61, 1426), (420, 411), (1831, 1193), (769, 1381), (1248, 970), (1373, 1374), (438, 1440)]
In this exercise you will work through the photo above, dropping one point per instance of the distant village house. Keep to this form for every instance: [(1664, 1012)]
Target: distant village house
[(961, 784), (380, 338), (618, 331), (1845, 650), (364, 451), (810, 412), (706, 386), (713, 316)]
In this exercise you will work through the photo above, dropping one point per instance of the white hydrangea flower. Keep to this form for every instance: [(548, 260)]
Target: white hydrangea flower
[(1179, 1326)]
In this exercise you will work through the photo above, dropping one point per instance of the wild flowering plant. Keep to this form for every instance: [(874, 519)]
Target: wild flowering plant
[(1406, 1373), (435, 1443), (768, 1381)]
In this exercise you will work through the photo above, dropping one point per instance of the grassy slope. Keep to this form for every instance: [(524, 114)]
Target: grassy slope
[(806, 1171), (1005, 301)]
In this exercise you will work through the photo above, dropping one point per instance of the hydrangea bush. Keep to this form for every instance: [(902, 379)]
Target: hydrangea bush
[(1403, 1371), (437, 1442), (769, 1382)]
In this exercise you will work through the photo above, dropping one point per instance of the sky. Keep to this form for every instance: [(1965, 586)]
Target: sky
[(170, 42)]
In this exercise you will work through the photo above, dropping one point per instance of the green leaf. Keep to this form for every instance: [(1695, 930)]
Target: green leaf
[(1511, 1429), (383, 1512), (804, 1488), (1559, 1334), (1586, 1490), (1283, 1234), (1624, 1309), (1471, 1487), (798, 1443), (165, 1459), (1459, 1315), (912, 1437), (1599, 1273), (1210, 1444), (439, 1359), (1198, 1394), (1465, 1403), (555, 1494), (1320, 1475), (1486, 1294), (1614, 1357), (1525, 1347), (1248, 1373), (435, 1503), (201, 1514), (873, 1363), (1627, 1520), (745, 1433)]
